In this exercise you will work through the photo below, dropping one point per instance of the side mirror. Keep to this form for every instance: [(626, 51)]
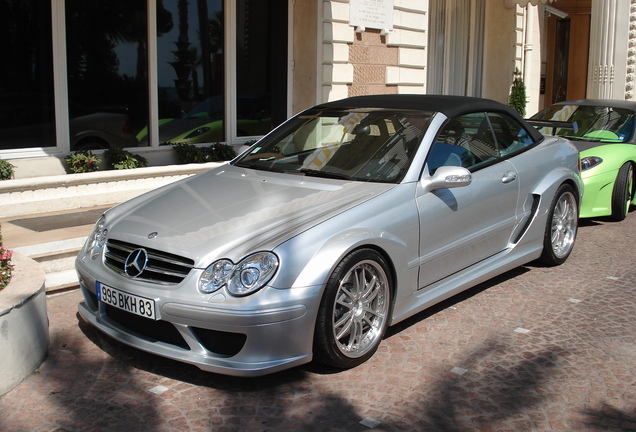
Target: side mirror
[(447, 177)]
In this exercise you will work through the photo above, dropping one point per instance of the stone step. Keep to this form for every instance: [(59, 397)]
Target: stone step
[(61, 281), (57, 259)]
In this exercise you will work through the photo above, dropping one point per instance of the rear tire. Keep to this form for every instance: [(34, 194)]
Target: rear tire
[(561, 228), (623, 192), (90, 144), (354, 310)]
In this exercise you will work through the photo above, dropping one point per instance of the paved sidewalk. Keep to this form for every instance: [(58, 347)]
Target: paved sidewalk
[(539, 349), (29, 230)]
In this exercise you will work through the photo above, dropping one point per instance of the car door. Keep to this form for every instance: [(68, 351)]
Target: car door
[(462, 226)]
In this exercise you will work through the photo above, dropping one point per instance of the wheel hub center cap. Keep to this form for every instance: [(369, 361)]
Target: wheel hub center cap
[(358, 309)]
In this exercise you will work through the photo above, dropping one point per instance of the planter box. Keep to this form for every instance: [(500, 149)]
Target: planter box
[(24, 327)]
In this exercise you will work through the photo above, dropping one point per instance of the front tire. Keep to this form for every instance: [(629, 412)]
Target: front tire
[(354, 310), (623, 192), (561, 228)]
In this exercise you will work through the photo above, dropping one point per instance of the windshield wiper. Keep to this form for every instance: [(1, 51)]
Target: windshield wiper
[(326, 174), (258, 167)]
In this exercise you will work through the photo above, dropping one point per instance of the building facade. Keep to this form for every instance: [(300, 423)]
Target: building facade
[(147, 74)]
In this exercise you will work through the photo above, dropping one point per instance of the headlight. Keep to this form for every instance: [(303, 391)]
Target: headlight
[(244, 278), (215, 276), (195, 133), (97, 238), (590, 162)]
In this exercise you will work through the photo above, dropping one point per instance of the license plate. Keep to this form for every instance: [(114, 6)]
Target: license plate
[(122, 300)]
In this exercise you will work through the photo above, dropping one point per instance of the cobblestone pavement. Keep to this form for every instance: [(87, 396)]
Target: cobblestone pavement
[(535, 349)]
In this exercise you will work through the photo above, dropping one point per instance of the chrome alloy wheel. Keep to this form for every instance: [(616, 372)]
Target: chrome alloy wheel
[(361, 309), (564, 225)]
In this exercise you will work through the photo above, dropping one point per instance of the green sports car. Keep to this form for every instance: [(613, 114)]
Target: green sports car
[(204, 123), (603, 133)]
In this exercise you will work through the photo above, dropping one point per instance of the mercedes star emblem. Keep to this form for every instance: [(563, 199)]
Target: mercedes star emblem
[(136, 262)]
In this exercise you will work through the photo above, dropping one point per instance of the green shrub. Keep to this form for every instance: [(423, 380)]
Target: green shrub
[(189, 153), (220, 152), (123, 159), (6, 170), (517, 98), (82, 161), (5, 265)]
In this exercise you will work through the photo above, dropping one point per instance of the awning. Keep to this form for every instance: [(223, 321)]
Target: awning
[(523, 3)]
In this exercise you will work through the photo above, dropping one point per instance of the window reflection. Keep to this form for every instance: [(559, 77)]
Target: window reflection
[(190, 73), (107, 71), (27, 114), (261, 72)]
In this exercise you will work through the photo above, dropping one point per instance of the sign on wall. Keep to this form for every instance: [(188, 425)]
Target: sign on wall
[(377, 14)]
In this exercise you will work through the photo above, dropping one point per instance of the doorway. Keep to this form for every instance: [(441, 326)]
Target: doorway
[(568, 52)]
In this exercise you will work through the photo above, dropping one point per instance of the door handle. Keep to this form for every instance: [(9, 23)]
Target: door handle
[(509, 177)]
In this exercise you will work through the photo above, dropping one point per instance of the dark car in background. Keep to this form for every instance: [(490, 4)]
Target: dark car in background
[(28, 120)]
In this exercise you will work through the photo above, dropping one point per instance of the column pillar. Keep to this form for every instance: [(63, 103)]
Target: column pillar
[(602, 54), (612, 51), (630, 77)]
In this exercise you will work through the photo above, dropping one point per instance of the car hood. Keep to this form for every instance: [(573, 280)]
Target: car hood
[(582, 146), (229, 212)]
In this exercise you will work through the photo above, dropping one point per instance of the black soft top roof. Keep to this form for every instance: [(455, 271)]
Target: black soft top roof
[(613, 103), (450, 106)]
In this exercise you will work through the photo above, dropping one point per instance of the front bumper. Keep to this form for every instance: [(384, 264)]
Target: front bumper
[(245, 342), (597, 198)]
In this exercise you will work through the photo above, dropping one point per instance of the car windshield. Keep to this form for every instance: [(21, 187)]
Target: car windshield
[(589, 123), (211, 108), (361, 145)]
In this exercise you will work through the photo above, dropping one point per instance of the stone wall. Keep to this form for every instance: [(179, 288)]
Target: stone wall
[(71, 191)]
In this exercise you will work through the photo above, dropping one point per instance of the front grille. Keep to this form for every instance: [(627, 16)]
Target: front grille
[(163, 268), (223, 344)]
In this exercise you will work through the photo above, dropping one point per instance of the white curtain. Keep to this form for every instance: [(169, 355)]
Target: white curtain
[(455, 47)]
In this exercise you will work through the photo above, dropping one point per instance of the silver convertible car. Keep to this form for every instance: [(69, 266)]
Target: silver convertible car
[(346, 219)]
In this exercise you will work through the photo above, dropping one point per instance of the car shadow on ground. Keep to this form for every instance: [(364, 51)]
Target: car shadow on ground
[(457, 298), (488, 395), (482, 397), (189, 373)]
